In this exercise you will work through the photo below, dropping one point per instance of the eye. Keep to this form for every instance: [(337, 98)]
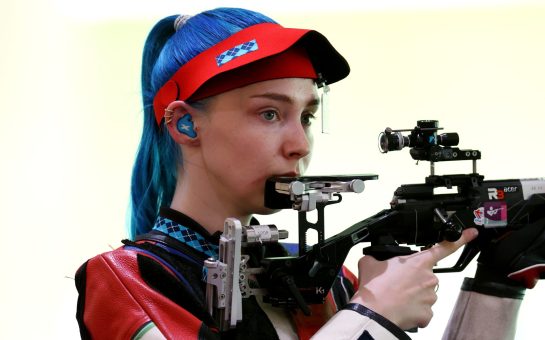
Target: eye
[(269, 115), (307, 118)]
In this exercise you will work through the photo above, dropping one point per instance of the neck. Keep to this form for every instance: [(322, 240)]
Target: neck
[(196, 198)]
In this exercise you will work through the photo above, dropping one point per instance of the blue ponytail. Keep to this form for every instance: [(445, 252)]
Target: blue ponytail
[(165, 51)]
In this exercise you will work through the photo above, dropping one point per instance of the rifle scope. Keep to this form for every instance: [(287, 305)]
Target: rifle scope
[(423, 136)]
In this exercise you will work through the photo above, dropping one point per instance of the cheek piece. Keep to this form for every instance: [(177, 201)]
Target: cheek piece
[(185, 126)]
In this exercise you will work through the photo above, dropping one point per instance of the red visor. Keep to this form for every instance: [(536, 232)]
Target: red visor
[(259, 52)]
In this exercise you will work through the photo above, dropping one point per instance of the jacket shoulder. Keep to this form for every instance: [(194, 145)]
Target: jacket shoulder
[(116, 302)]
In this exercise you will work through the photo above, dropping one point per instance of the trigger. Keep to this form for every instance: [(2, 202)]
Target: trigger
[(470, 251)]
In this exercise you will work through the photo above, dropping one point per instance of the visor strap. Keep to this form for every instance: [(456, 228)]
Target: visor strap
[(324, 103)]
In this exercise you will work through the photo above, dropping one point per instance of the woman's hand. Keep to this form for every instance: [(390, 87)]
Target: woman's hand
[(402, 289)]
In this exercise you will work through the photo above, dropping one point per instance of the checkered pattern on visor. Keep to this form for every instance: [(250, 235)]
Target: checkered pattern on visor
[(236, 51), (186, 235)]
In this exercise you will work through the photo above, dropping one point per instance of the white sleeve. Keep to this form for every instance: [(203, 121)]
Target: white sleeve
[(356, 321), (483, 316), (149, 332)]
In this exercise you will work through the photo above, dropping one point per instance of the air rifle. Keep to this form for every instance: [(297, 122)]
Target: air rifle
[(418, 217)]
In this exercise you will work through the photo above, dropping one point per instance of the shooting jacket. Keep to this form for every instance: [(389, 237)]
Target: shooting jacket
[(159, 281)]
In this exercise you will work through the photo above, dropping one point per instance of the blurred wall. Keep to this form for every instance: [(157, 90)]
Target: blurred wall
[(70, 120)]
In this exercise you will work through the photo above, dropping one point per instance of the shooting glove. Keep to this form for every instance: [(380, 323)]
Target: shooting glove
[(511, 263)]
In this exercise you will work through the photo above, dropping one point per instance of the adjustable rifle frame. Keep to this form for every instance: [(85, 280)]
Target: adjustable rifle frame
[(418, 216)]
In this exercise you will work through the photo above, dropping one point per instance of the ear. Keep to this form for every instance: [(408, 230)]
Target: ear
[(179, 122)]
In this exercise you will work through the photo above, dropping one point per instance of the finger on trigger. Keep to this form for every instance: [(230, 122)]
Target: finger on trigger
[(446, 248)]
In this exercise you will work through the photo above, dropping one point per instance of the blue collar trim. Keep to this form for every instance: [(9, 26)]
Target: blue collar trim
[(186, 235)]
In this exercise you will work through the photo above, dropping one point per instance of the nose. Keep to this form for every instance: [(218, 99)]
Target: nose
[(297, 142)]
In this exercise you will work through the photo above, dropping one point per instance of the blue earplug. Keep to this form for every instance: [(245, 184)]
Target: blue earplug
[(185, 126)]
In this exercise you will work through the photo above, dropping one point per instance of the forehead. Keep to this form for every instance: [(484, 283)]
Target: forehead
[(297, 91)]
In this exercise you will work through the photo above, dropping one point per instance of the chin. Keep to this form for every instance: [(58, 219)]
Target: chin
[(266, 211)]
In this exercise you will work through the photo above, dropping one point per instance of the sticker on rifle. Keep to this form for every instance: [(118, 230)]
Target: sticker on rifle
[(531, 186), (491, 215), (495, 214), (479, 216), (495, 194), (262, 232)]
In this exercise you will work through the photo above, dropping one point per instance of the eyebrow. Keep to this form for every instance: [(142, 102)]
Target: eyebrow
[(284, 98)]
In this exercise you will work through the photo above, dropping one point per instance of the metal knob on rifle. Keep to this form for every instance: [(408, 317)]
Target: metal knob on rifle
[(451, 231)]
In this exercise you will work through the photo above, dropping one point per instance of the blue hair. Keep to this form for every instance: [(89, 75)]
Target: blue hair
[(154, 172)]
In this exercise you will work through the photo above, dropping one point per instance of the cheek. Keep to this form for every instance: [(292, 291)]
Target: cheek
[(242, 155), (310, 138), (305, 161), (257, 155)]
